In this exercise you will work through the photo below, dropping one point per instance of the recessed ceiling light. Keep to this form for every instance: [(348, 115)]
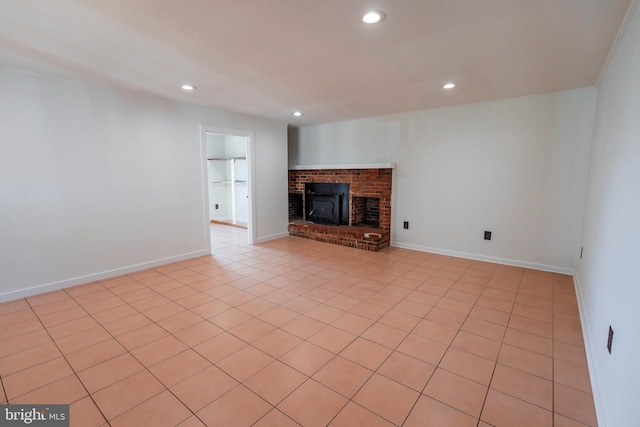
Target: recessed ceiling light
[(373, 16), (448, 86), (297, 113), (188, 87)]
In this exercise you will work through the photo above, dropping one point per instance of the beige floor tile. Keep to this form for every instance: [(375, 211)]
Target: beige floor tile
[(354, 415), (275, 382), (277, 343), (532, 326), (387, 398), (446, 317), (385, 335), (400, 320), (127, 324), (422, 348), (352, 323), (252, 330), (343, 376), (94, 354), (244, 363), (524, 386), (480, 346), (239, 407), (179, 367), (109, 372), (275, 418), (435, 331), (163, 409), (33, 378), (85, 413), (200, 390), (303, 327), (484, 328), (456, 391), (141, 336), (495, 304), (300, 304), (82, 339), (490, 315), (71, 327), (366, 353), (14, 306), (468, 365), (529, 341), (574, 404), (180, 321), (118, 398), (331, 338), (570, 353), (157, 351), (307, 358), (502, 410), (229, 318), (407, 370), (313, 404), (526, 361), (371, 327), (113, 314), (541, 314), (64, 391), (562, 421), (568, 335), (198, 333), (430, 412), (213, 308), (28, 358)]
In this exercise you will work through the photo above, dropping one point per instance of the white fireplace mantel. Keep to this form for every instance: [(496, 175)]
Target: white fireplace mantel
[(346, 166)]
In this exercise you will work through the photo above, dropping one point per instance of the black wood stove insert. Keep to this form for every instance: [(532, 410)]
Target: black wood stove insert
[(327, 203)]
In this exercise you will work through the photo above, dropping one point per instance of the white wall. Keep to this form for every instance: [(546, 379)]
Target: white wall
[(96, 182), (516, 167), (607, 276)]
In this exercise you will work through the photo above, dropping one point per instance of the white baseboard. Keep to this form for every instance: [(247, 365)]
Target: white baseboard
[(599, 399), (271, 237), (478, 257), (49, 287)]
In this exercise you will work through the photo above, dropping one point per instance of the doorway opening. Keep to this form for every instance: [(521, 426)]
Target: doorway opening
[(228, 167)]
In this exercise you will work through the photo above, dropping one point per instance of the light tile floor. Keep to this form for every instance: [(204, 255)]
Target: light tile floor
[(295, 332)]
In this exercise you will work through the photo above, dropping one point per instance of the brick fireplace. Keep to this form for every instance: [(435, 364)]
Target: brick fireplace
[(369, 205)]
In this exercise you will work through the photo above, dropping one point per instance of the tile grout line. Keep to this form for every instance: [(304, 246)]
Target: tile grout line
[(449, 347), (501, 345), (90, 395), (325, 263), (127, 351)]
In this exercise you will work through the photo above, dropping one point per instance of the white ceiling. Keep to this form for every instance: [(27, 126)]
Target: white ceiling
[(272, 57)]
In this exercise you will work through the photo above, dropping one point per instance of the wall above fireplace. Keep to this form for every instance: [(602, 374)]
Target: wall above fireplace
[(346, 166)]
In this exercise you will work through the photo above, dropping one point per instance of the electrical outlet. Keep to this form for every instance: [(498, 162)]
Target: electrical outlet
[(610, 339), (217, 207), (406, 225), (487, 235)]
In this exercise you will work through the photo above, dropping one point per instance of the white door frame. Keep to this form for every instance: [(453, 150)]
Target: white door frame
[(204, 130)]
